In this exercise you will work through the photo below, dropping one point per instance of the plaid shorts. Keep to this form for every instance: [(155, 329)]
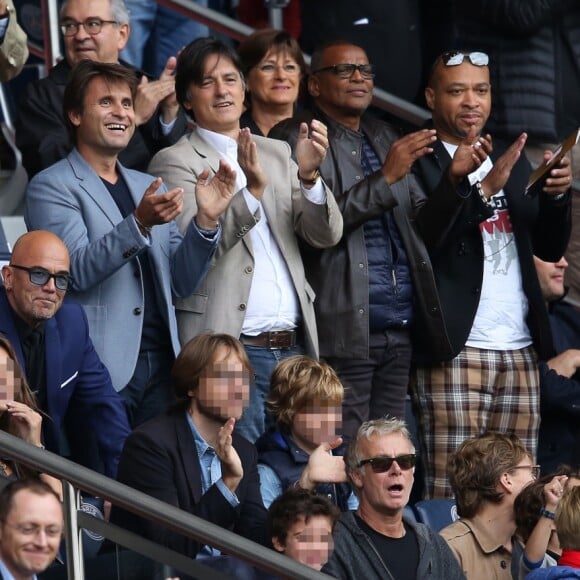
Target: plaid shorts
[(479, 390)]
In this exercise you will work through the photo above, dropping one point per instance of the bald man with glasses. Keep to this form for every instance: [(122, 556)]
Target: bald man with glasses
[(51, 340)]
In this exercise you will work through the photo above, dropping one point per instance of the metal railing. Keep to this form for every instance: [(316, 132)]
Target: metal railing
[(76, 478), (219, 22)]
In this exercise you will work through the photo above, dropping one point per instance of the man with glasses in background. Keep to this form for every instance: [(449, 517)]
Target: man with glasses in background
[(487, 473), (481, 238), (376, 541), (96, 30), (51, 340), (376, 284), (31, 529)]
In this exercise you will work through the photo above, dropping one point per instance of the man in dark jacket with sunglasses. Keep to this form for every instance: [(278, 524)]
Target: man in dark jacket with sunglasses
[(376, 541)]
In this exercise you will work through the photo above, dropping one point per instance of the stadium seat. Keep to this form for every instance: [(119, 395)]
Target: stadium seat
[(436, 513)]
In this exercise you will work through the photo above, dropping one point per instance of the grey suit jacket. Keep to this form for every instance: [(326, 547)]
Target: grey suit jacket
[(220, 302), (70, 199)]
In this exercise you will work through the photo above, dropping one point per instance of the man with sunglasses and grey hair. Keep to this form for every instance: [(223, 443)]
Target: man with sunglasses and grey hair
[(481, 239), (52, 343), (376, 286), (376, 541)]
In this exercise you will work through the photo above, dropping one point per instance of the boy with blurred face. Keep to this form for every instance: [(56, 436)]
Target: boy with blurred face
[(380, 463), (304, 450), (301, 524), (480, 241)]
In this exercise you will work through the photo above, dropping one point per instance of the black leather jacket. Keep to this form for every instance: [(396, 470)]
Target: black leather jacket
[(339, 275)]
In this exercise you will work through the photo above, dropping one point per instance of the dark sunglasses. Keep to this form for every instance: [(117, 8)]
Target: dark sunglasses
[(382, 464), (346, 70), (39, 276), (455, 58)]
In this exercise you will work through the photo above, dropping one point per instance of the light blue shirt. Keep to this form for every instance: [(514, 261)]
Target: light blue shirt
[(6, 575), (211, 474)]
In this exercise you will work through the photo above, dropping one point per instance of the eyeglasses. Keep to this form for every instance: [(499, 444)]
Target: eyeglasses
[(39, 276), (288, 68), (92, 26), (346, 70), (34, 529), (382, 464), (455, 58), (535, 469)]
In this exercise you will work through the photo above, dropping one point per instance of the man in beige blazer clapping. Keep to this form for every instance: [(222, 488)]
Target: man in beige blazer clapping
[(256, 288)]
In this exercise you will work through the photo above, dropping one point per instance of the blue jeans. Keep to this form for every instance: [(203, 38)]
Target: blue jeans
[(150, 390), (264, 360), (158, 32)]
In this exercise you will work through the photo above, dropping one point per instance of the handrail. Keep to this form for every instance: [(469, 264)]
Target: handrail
[(153, 509), (52, 53)]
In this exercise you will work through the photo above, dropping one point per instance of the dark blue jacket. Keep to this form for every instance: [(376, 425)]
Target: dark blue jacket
[(558, 440), (390, 284), (280, 453), (75, 376)]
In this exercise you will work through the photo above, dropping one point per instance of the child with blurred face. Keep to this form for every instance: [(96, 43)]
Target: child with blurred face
[(301, 525), (304, 449)]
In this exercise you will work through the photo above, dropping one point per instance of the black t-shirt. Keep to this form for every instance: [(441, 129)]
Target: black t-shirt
[(400, 555)]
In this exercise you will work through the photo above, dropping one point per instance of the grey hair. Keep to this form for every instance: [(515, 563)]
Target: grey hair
[(374, 428), (119, 12)]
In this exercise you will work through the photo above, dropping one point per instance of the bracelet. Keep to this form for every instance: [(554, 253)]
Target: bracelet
[(145, 230), (309, 181), (547, 514), (485, 200)]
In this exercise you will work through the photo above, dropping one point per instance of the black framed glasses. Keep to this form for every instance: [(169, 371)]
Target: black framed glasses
[(534, 469), (383, 463), (39, 276), (92, 26), (346, 70), (456, 57)]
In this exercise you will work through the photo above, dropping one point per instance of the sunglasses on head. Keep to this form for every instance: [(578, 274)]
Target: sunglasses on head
[(455, 58), (382, 463)]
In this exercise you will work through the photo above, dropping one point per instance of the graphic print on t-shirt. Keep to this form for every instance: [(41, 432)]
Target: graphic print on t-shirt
[(499, 246)]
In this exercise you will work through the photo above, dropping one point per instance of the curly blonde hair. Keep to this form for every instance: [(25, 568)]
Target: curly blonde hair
[(299, 381)]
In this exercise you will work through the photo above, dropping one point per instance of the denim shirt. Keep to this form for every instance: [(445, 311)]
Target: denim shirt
[(211, 474)]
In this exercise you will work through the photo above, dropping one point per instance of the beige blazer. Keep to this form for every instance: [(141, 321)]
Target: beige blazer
[(220, 302)]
